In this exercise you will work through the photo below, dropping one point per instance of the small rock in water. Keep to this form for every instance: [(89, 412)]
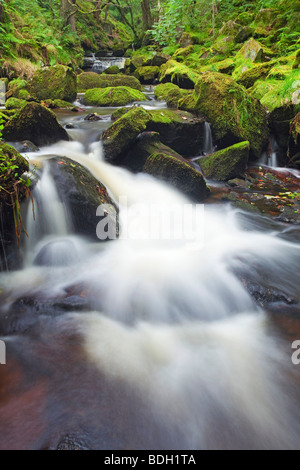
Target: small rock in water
[(93, 117), (69, 126)]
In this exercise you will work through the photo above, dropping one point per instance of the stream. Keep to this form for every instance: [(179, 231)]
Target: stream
[(147, 341)]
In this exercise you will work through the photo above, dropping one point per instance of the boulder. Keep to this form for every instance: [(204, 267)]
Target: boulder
[(36, 123), (233, 114), (179, 130), (170, 93), (15, 103), (112, 70), (57, 82), (82, 194), (145, 145), (89, 80), (264, 21), (226, 164), (18, 88), (147, 75), (255, 51), (294, 142), (122, 134), (178, 174), (112, 96), (257, 72), (179, 74)]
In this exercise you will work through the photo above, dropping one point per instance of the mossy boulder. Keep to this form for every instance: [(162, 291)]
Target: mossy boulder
[(112, 96), (296, 64), (18, 88), (118, 113), (257, 72), (112, 70), (122, 134), (15, 103), (255, 51), (294, 142), (178, 174), (245, 33), (179, 74), (36, 123), (170, 93), (147, 75), (179, 130), (57, 82), (186, 40), (183, 52), (264, 21), (244, 18), (233, 114), (145, 145), (12, 165), (89, 80), (226, 164)]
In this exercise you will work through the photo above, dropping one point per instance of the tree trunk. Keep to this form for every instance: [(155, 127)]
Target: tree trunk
[(147, 15), (68, 12)]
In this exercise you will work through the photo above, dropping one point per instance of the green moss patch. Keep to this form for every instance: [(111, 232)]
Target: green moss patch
[(89, 80), (57, 82), (112, 96)]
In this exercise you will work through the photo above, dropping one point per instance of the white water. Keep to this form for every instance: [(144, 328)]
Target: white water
[(175, 323), (208, 140)]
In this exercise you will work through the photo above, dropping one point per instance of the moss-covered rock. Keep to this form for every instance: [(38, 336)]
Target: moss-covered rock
[(145, 145), (245, 33), (12, 165), (122, 134), (234, 115), (35, 123), (170, 93), (147, 75), (188, 103), (18, 88), (296, 64), (257, 72), (264, 21), (255, 51), (89, 80), (112, 96), (57, 82), (183, 52), (244, 18), (15, 103), (294, 142), (179, 74), (226, 164), (118, 113), (186, 40), (179, 130), (178, 174), (112, 70)]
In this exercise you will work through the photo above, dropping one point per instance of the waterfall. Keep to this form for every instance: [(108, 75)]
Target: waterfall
[(208, 141), (269, 157)]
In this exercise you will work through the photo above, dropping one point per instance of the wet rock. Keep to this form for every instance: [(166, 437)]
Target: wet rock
[(233, 115), (56, 82), (178, 174), (147, 75), (83, 194), (25, 146), (93, 117), (36, 123), (226, 164)]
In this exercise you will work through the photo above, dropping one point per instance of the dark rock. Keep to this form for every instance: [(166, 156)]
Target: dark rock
[(82, 193), (226, 164), (178, 174), (93, 117), (36, 123), (25, 146)]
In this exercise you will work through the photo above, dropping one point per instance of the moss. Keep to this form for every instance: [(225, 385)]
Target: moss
[(12, 167), (282, 92), (147, 75), (255, 51), (233, 114), (57, 82), (15, 103), (245, 33), (63, 104), (226, 66), (35, 123), (118, 113), (226, 164), (183, 52), (89, 80), (188, 103), (179, 74), (112, 96), (258, 72), (170, 93), (113, 70), (264, 20), (296, 64), (121, 135), (177, 173)]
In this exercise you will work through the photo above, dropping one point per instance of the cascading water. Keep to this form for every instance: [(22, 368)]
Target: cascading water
[(208, 141), (170, 322)]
